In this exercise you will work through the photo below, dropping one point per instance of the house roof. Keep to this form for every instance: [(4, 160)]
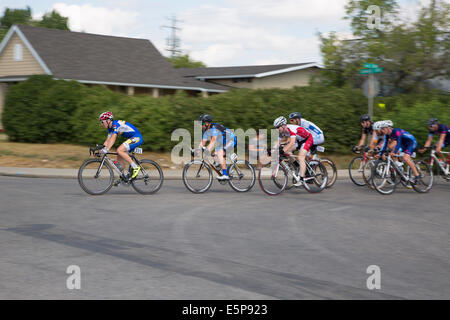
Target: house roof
[(243, 71), (93, 58)]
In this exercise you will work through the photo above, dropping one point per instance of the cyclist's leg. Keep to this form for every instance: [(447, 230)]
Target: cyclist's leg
[(126, 147), (409, 149)]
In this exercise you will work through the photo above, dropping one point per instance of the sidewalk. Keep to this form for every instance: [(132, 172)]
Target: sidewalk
[(73, 173)]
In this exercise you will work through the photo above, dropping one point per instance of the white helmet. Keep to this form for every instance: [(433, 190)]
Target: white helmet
[(279, 122), (389, 123), (378, 125)]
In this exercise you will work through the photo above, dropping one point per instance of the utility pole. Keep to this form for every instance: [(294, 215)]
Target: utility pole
[(173, 42)]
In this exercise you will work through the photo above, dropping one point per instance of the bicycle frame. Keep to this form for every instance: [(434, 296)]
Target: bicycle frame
[(213, 166), (434, 158)]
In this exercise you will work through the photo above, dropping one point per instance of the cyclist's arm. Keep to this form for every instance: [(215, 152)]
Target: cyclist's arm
[(290, 145), (363, 139), (440, 142), (110, 141), (212, 143), (428, 142)]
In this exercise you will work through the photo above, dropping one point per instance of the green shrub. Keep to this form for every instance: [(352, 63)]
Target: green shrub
[(45, 110)]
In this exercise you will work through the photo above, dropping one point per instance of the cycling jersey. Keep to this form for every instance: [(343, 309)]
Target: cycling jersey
[(303, 137), (317, 134), (228, 140), (127, 130), (406, 142), (369, 130), (442, 128)]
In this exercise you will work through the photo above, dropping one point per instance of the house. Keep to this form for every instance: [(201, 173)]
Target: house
[(132, 66), (283, 76)]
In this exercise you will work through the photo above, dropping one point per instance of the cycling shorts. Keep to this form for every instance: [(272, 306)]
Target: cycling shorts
[(133, 143)]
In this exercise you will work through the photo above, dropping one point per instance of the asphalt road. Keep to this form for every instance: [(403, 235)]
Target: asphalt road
[(222, 244)]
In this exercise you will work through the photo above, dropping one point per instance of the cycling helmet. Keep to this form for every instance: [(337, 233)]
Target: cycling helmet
[(388, 123), (105, 116), (432, 121), (364, 117), (377, 125), (295, 115), (205, 118), (279, 122)]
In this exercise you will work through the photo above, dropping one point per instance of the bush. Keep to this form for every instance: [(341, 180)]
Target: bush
[(43, 110)]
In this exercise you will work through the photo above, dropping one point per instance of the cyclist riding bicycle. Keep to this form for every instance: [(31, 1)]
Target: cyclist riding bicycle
[(299, 139), (441, 130), (367, 130), (128, 131), (225, 138), (318, 136), (399, 140)]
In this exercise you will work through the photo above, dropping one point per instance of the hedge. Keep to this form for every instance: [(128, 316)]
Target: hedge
[(44, 110)]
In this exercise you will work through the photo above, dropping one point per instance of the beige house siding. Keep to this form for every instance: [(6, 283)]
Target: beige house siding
[(9, 67), (299, 78)]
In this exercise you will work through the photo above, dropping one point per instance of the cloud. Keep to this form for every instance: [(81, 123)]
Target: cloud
[(99, 20)]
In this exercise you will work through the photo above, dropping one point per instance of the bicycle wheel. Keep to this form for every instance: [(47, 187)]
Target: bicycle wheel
[(197, 176), (316, 178), (242, 176), (290, 177), (384, 181), (150, 179), (367, 173), (426, 177), (355, 170), (272, 179), (331, 171), (94, 179)]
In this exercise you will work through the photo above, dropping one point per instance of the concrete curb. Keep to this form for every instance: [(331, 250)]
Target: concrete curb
[(73, 173)]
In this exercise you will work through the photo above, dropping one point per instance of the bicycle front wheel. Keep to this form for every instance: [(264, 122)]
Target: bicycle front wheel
[(242, 176), (367, 173), (94, 177), (197, 176), (150, 179), (272, 179), (331, 171), (384, 180), (355, 170)]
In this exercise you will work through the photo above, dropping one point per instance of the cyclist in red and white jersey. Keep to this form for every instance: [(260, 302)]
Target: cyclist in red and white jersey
[(299, 139)]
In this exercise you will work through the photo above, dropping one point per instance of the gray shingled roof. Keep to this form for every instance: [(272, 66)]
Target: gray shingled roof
[(235, 71), (92, 57)]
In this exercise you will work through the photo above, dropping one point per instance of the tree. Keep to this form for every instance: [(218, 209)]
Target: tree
[(15, 16), (185, 62), (53, 20)]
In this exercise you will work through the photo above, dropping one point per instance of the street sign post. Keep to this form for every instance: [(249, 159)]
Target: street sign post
[(371, 89)]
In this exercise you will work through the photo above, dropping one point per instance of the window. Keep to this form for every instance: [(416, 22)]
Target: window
[(18, 52)]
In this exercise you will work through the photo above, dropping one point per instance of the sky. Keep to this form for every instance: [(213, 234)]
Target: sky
[(218, 33)]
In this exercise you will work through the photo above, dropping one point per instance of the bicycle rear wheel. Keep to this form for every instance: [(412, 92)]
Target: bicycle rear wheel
[(242, 176), (95, 179), (384, 181), (272, 179), (426, 177), (316, 177), (367, 173), (355, 170), (197, 176), (150, 179)]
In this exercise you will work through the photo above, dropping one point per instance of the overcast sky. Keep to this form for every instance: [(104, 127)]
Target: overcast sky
[(219, 32)]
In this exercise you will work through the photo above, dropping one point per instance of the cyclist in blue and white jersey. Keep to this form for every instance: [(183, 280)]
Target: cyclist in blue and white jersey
[(225, 138), (316, 132), (399, 140), (128, 131)]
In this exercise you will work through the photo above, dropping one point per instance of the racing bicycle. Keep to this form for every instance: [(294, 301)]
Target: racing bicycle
[(96, 175)]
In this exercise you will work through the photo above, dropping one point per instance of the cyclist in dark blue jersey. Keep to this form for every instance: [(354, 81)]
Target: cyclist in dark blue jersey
[(217, 133), (442, 131), (399, 140), (128, 131)]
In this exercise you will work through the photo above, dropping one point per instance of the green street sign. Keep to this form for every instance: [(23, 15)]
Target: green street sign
[(370, 65), (369, 71)]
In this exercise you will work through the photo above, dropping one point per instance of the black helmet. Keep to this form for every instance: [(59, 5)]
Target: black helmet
[(295, 115), (205, 118), (432, 121), (364, 117)]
